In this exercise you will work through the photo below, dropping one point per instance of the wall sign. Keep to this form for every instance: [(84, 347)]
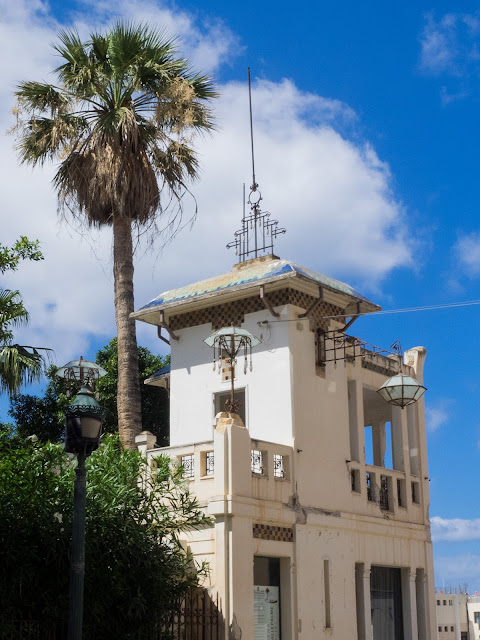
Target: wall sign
[(267, 612)]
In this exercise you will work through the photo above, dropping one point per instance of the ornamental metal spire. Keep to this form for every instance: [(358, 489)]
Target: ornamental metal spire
[(258, 232)]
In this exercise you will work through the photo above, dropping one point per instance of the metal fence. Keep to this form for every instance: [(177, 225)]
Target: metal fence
[(197, 616)]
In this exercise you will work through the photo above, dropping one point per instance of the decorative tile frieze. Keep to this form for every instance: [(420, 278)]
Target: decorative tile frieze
[(271, 532), (223, 315)]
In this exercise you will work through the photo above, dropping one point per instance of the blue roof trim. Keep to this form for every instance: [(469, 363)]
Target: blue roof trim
[(162, 371), (262, 271)]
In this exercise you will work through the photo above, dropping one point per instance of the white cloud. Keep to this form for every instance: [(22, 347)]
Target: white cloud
[(454, 529), (458, 570), (450, 47), (334, 196), (437, 416), (467, 250), (207, 43), (438, 44)]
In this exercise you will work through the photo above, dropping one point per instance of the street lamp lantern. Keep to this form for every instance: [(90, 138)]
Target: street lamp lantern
[(230, 341), (401, 390), (83, 423)]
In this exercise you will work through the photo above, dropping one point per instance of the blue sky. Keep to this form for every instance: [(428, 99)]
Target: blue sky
[(367, 135)]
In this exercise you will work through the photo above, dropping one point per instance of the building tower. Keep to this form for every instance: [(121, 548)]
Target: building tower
[(310, 539)]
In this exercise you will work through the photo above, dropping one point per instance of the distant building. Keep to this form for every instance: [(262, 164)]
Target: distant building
[(452, 615), (473, 608), (458, 614)]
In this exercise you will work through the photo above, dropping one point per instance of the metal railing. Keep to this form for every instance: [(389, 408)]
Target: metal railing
[(196, 616)]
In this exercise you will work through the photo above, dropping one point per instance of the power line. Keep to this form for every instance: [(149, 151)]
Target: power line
[(434, 307)]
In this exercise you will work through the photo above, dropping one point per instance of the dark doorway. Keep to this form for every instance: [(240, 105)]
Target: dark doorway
[(266, 594), (386, 603)]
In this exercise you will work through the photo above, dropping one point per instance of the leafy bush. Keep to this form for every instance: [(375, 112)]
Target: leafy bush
[(136, 568)]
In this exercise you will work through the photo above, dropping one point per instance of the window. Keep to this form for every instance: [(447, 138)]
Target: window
[(450, 602), (416, 499), (446, 628), (326, 588), (221, 397), (476, 617), (445, 604), (188, 464), (438, 603), (440, 629), (209, 463), (355, 478), (384, 502), (321, 353), (278, 466), (451, 629), (370, 489), (257, 462)]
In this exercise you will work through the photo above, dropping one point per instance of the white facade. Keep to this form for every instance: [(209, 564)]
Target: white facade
[(473, 609), (458, 615), (288, 491)]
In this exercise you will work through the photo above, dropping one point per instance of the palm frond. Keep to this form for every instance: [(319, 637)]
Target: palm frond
[(45, 138), (12, 313), (39, 96), (175, 164), (19, 366), (79, 73)]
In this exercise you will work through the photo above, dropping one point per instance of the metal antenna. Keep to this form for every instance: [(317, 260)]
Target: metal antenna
[(254, 182), (258, 232)]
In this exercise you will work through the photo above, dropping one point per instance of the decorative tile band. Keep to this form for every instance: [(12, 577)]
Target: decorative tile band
[(223, 315), (270, 532)]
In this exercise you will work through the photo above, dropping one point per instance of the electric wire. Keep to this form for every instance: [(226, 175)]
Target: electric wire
[(434, 307)]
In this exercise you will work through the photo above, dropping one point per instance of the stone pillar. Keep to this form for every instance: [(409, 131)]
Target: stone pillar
[(145, 441), (379, 443), (367, 603), (457, 618), (233, 526), (399, 438), (409, 598)]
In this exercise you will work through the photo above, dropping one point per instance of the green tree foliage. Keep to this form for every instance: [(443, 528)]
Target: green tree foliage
[(155, 405), (23, 249), (135, 565), (19, 364), (44, 417)]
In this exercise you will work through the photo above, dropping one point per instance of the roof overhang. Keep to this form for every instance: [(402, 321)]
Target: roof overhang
[(221, 290)]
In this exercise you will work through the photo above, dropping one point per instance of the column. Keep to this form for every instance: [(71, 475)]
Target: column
[(233, 530), (364, 606), (379, 443), (399, 438), (409, 601)]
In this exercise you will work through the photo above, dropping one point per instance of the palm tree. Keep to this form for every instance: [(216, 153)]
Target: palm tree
[(119, 119), (19, 364)]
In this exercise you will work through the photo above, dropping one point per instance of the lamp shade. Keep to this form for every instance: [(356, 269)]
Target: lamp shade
[(401, 390), (83, 422), (239, 336)]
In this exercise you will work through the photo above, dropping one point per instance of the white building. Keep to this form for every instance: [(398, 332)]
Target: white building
[(310, 539), (473, 611), (458, 615), (452, 615)]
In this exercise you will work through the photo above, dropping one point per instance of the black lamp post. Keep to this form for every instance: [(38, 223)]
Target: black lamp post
[(83, 424)]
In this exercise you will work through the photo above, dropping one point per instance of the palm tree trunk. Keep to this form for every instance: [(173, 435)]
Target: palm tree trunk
[(128, 389)]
